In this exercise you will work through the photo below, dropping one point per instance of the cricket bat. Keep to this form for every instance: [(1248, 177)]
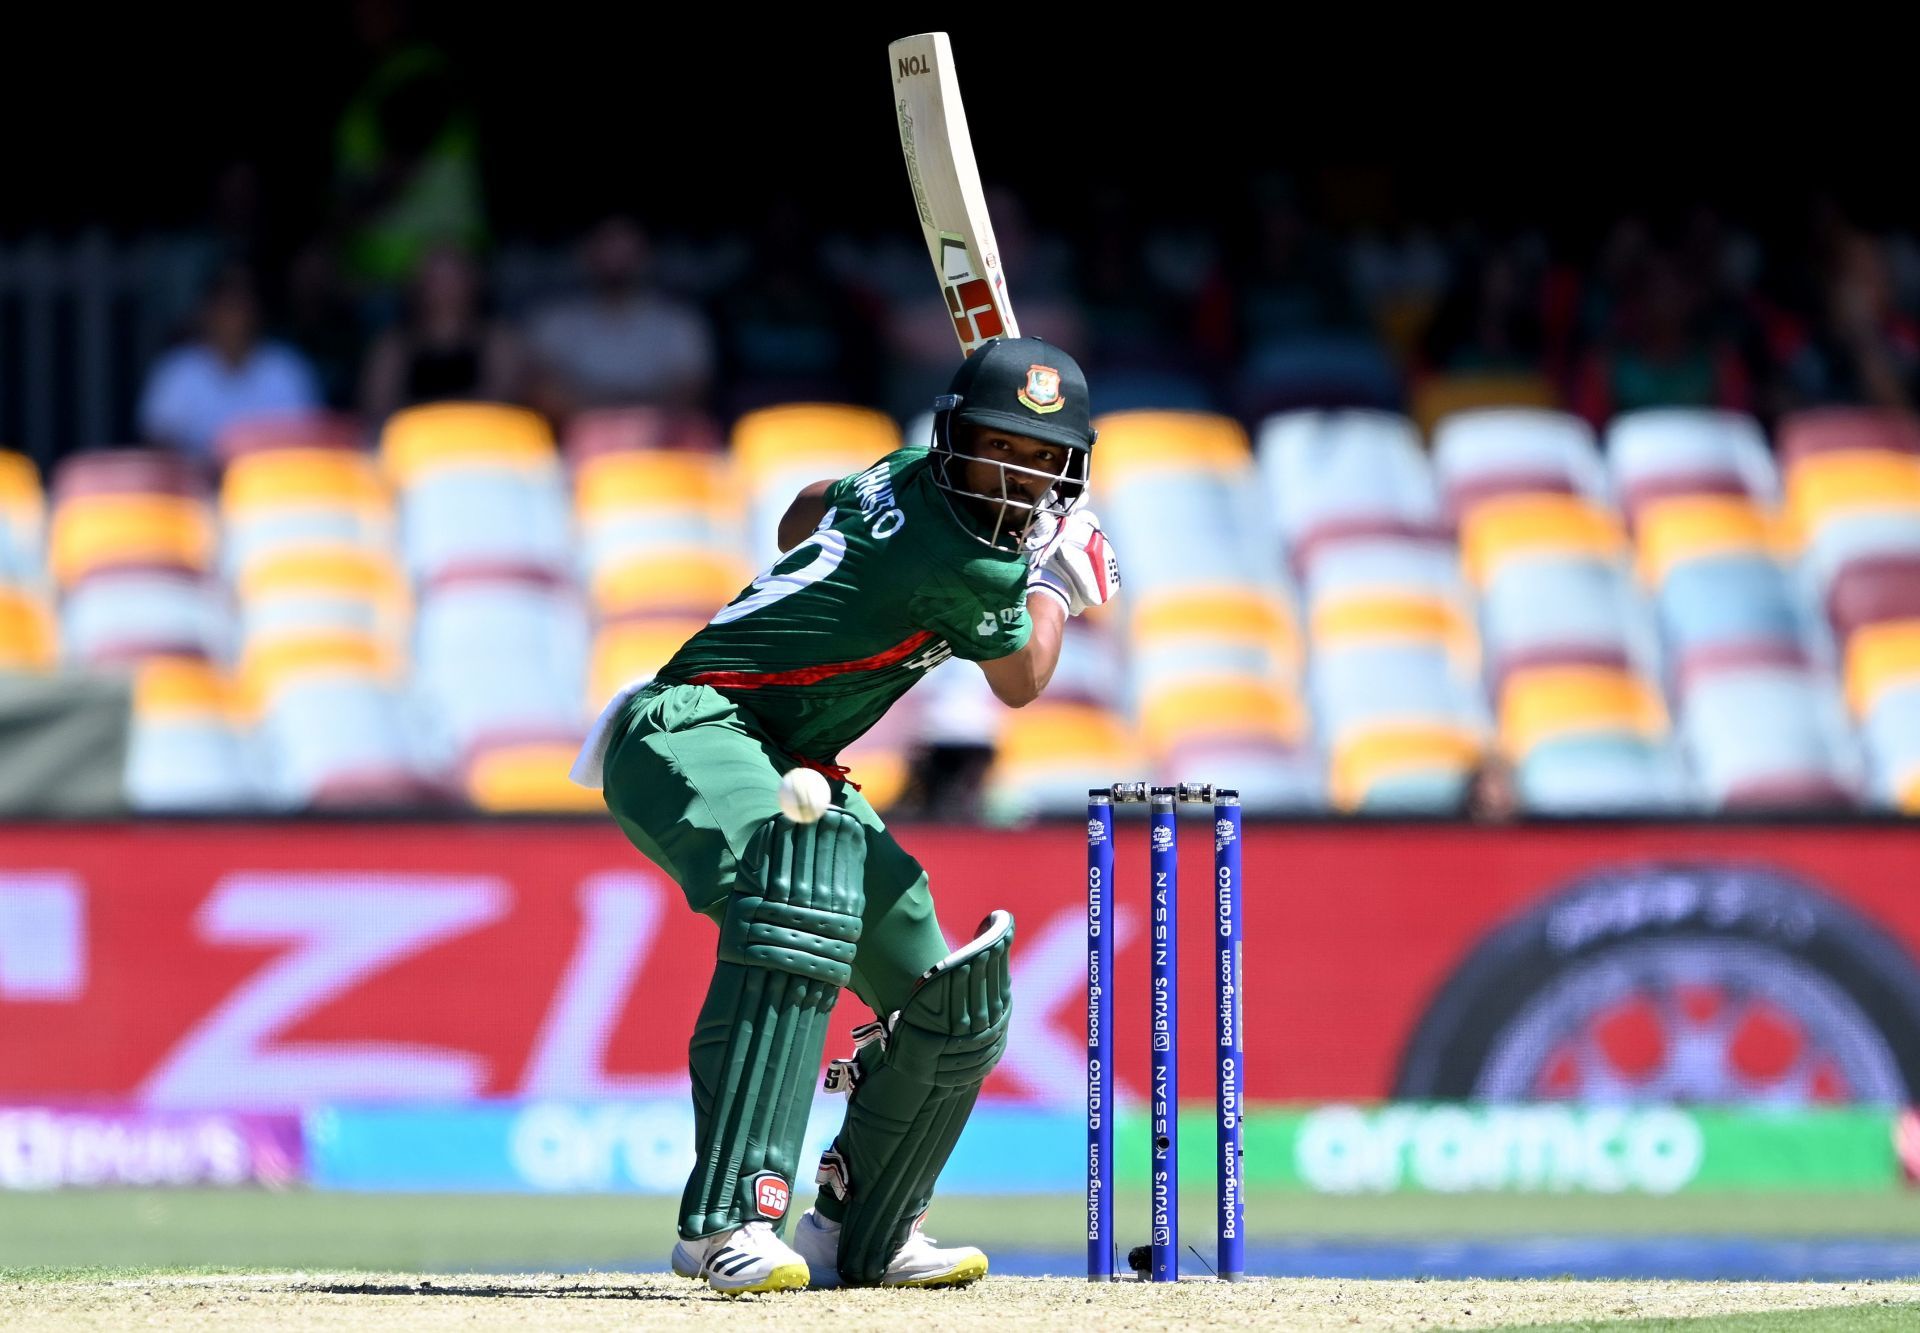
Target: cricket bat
[(946, 189)]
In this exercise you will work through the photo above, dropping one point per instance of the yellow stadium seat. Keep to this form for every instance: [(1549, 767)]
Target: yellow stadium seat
[(693, 580), (96, 532), (21, 498), (1529, 526), (632, 650), (1219, 707), (268, 666), (1057, 737), (1134, 444), (332, 570), (615, 483), (1441, 395), (302, 478), (530, 777), (1848, 481), (1878, 658), (1543, 703), (1671, 532), (881, 772), (1907, 801), (1217, 614), (1381, 753), (179, 689), (420, 439), (1380, 615), (834, 438), (27, 636)]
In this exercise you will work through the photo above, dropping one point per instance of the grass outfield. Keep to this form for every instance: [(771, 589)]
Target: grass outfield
[(247, 1229), (307, 1302)]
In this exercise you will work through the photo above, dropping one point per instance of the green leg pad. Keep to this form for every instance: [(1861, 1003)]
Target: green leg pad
[(911, 1097), (786, 948)]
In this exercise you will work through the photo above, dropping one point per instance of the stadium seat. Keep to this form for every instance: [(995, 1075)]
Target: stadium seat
[(778, 450), (1672, 531), (300, 590), (281, 431), (1553, 610), (94, 533), (1366, 687), (1436, 397), (1521, 528), (1830, 488), (122, 615), (1727, 601), (1879, 658), (341, 738), (1600, 775), (1768, 736), (629, 651), (1344, 474), (1408, 768), (1493, 452), (27, 637), (272, 666), (1890, 734), (691, 582), (1872, 590), (1045, 765), (633, 505), (598, 432), (528, 777), (185, 752), (417, 442), (1660, 453), (1538, 705), (1220, 709), (459, 518), (23, 514), (102, 472), (1883, 534), (498, 659), (1820, 430)]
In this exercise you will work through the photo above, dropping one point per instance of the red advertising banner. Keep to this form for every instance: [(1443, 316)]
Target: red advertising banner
[(268, 966)]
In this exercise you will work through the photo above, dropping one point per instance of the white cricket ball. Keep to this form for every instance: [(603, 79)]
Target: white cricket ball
[(804, 795)]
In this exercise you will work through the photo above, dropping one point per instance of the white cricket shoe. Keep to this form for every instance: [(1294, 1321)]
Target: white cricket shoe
[(919, 1262), (747, 1259)]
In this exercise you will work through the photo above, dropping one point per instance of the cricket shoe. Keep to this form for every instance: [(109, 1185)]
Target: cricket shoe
[(747, 1259), (919, 1262)]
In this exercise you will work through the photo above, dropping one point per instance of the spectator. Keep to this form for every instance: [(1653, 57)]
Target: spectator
[(626, 341), (788, 331), (1491, 795), (1658, 348), (1293, 284), (1489, 320), (229, 371), (1863, 348), (447, 347), (406, 154)]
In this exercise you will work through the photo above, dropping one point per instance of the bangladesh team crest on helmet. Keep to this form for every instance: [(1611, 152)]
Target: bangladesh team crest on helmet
[(1042, 390)]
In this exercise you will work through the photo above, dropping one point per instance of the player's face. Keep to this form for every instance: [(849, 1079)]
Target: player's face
[(1032, 466)]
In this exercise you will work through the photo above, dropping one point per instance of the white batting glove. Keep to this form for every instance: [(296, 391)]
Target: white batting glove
[(1081, 569)]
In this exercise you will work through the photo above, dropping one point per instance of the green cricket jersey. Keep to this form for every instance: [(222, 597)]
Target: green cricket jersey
[(820, 645)]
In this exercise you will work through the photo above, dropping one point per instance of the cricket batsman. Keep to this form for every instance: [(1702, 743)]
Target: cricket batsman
[(976, 545)]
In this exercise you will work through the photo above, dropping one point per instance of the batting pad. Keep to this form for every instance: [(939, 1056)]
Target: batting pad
[(912, 1093), (786, 948)]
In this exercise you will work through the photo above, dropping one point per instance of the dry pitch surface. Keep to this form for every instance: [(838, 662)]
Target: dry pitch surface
[(301, 1301)]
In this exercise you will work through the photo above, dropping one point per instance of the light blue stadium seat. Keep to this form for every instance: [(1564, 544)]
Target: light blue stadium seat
[(1439, 792), (1861, 536), (1572, 606), (1385, 563), (179, 766), (1320, 467), (1891, 736), (1356, 686), (634, 535), (1731, 599), (120, 614), (1753, 728), (1180, 529), (247, 539), (330, 732), (499, 657), (1271, 780), (1649, 445), (486, 516), (1490, 442), (1601, 774)]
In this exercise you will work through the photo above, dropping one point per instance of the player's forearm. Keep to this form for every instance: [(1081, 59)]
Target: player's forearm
[(1019, 678)]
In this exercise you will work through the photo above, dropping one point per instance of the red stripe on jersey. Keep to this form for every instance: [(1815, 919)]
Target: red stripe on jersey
[(753, 680)]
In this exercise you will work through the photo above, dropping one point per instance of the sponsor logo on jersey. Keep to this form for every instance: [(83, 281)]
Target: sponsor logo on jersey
[(931, 658), (1010, 615), (1042, 390), (989, 625), (874, 489)]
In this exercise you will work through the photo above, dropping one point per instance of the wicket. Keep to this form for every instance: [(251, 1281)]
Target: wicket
[(1163, 871)]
